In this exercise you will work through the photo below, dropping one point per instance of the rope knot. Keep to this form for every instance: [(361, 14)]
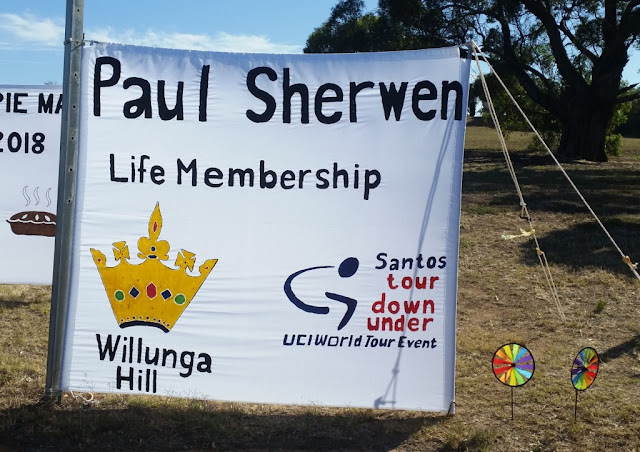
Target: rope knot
[(627, 260)]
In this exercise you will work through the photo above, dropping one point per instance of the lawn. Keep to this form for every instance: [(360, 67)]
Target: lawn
[(503, 297)]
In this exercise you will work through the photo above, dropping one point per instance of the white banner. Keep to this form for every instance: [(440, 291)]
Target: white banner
[(29, 154), (268, 228)]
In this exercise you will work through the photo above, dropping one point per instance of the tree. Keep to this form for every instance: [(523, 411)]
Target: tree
[(548, 126), (509, 116), (398, 25), (567, 56)]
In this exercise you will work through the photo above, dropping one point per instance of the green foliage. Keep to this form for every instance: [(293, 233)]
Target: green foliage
[(613, 140), (548, 126), (510, 118), (613, 144), (348, 30), (600, 305), (398, 25), (631, 127)]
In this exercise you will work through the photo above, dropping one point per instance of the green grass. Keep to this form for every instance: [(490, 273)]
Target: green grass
[(631, 148), (479, 137), (600, 305), (503, 296)]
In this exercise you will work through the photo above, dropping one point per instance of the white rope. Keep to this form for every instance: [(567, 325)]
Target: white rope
[(625, 258), (542, 258), (84, 399)]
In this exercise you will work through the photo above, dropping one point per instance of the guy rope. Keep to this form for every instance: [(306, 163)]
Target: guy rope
[(477, 52)]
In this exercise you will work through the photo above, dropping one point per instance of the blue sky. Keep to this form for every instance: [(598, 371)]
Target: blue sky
[(32, 31)]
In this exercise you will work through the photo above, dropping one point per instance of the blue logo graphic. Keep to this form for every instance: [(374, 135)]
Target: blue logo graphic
[(347, 269)]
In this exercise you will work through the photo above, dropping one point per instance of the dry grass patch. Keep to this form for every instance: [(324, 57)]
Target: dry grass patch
[(24, 318)]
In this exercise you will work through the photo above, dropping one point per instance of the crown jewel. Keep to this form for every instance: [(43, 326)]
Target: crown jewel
[(150, 293)]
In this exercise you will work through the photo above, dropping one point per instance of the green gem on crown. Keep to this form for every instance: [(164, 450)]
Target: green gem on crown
[(180, 299), (119, 295)]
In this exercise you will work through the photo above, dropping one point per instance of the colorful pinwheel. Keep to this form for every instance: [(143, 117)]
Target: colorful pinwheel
[(583, 372), (513, 364), (585, 368)]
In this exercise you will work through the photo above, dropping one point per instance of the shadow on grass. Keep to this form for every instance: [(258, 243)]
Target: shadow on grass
[(11, 303), (610, 190), (22, 296), (519, 159), (195, 426), (585, 245), (625, 348)]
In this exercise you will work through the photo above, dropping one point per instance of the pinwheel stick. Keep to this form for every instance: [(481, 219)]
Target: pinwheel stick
[(511, 402)]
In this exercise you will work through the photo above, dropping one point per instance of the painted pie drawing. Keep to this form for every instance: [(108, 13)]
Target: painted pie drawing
[(33, 223)]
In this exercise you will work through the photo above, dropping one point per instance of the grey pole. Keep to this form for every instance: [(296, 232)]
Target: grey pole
[(66, 195)]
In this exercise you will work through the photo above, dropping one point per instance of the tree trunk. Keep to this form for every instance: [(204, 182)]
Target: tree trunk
[(590, 108), (584, 129)]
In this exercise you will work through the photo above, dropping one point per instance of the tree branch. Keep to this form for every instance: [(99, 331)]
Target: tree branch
[(526, 68), (630, 21), (576, 42), (624, 89), (568, 72), (610, 21), (632, 4), (628, 98), (512, 65)]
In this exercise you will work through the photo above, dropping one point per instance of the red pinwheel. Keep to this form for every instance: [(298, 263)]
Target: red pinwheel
[(513, 365)]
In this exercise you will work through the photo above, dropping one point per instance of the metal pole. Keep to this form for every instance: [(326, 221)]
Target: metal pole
[(66, 195)]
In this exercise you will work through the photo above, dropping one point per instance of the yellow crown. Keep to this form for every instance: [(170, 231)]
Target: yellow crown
[(150, 293)]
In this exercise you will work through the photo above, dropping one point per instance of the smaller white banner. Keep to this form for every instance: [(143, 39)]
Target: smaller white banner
[(29, 155)]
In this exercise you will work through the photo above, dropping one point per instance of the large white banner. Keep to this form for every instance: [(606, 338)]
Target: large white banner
[(268, 228), (29, 154)]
